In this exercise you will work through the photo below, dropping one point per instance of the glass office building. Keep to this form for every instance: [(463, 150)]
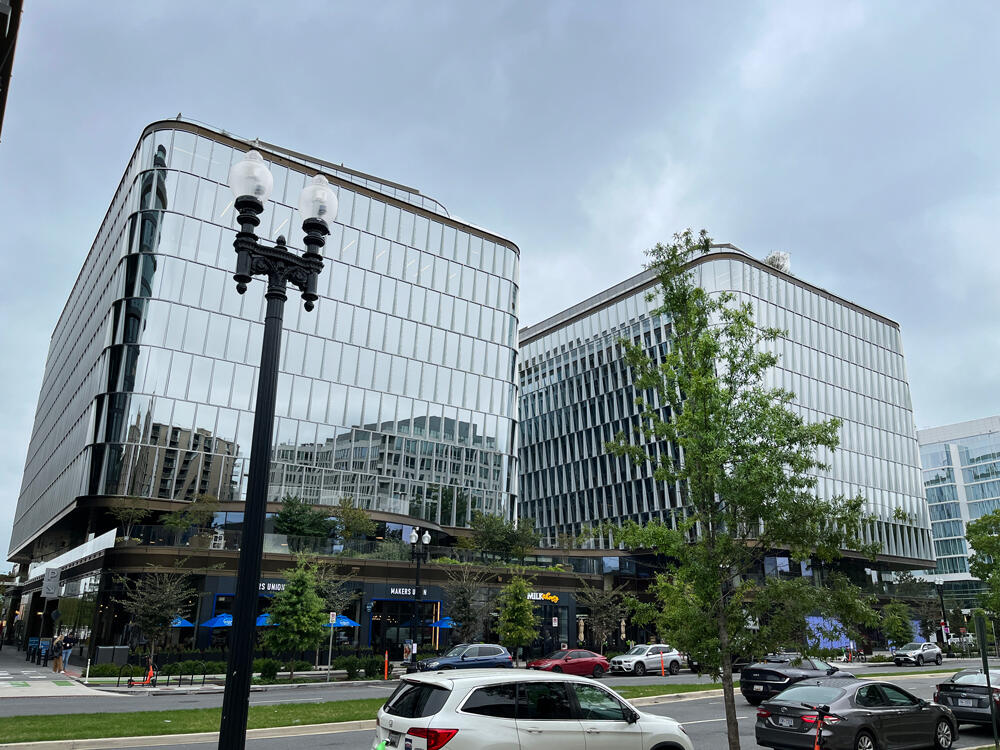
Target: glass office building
[(397, 391), (961, 464), (840, 359)]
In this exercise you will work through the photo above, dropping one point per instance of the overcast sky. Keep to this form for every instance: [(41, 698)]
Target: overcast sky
[(859, 137)]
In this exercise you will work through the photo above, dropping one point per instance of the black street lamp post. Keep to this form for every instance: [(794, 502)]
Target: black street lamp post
[(939, 585), (251, 183), (417, 545)]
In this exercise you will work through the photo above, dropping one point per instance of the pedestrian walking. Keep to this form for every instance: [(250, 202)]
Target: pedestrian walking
[(69, 643), (57, 653)]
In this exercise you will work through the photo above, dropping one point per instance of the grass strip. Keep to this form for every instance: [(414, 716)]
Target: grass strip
[(140, 723), (646, 691), (866, 675)]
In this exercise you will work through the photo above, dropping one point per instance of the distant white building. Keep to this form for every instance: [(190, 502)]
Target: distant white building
[(961, 464)]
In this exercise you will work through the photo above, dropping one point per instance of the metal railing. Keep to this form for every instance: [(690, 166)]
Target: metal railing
[(385, 549)]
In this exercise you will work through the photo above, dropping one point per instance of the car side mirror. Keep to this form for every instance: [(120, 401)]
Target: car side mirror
[(923, 703), (463, 657), (632, 717), (832, 670)]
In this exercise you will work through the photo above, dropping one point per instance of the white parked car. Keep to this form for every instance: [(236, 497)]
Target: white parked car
[(917, 653), (641, 660), (480, 709)]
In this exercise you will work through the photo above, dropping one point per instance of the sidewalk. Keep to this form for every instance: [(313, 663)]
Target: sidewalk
[(23, 679)]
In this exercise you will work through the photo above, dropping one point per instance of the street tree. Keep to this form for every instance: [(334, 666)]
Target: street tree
[(983, 535), (152, 601), (740, 456), (606, 607), (897, 625), (299, 518), (334, 585), (518, 622), (297, 612), (471, 600)]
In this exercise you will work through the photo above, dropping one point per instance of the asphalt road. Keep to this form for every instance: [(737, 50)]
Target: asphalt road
[(119, 703), (702, 718), (122, 703)]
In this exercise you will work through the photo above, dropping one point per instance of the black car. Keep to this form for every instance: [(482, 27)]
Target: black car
[(739, 662), (862, 715), (968, 697), (767, 678)]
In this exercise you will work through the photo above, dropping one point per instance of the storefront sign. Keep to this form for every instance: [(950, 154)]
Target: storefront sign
[(271, 586), (539, 596), (405, 591)]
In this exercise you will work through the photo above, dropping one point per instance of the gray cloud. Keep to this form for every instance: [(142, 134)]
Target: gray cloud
[(858, 137)]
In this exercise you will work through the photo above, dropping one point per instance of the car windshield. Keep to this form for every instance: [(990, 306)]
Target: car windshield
[(811, 694), (454, 651), (637, 650), (556, 655), (910, 647), (976, 678)]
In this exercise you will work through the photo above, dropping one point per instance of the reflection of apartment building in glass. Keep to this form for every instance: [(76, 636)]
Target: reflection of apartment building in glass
[(375, 460), (840, 359), (396, 391), (961, 465)]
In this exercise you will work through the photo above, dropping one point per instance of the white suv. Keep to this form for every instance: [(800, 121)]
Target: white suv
[(643, 659), (500, 709), (917, 653)]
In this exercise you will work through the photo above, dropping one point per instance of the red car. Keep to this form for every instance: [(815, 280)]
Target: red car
[(576, 661)]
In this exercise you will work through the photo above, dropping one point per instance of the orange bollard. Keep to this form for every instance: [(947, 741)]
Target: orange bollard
[(661, 664), (387, 664)]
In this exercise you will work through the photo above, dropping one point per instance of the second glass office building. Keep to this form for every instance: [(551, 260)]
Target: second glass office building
[(840, 359)]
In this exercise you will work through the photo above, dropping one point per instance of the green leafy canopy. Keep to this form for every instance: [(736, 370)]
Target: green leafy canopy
[(298, 611), (747, 479)]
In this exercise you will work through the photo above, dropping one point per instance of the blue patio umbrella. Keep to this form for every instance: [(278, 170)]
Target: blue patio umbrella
[(180, 622), (264, 620), (445, 622), (343, 621), (219, 621)]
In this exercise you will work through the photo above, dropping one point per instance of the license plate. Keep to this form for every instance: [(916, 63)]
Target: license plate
[(967, 702), (785, 721), (392, 738), (759, 688)]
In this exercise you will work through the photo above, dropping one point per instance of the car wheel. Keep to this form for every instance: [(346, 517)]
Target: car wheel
[(557, 669), (598, 672), (937, 659), (920, 661), (898, 663), (675, 667), (864, 741), (943, 735), (640, 669)]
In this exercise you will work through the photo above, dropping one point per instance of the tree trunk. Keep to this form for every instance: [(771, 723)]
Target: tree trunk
[(728, 699)]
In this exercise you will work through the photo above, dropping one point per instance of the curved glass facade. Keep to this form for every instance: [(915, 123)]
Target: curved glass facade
[(841, 360), (398, 390)]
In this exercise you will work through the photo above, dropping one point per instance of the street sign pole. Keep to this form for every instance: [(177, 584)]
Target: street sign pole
[(994, 709), (329, 652)]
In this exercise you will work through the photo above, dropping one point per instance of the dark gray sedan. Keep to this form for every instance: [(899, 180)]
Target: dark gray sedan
[(969, 698), (864, 715)]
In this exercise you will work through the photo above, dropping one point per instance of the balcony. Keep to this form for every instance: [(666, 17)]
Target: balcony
[(385, 549)]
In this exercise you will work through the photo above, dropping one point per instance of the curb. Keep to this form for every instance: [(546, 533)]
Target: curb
[(106, 743), (211, 689), (654, 700)]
